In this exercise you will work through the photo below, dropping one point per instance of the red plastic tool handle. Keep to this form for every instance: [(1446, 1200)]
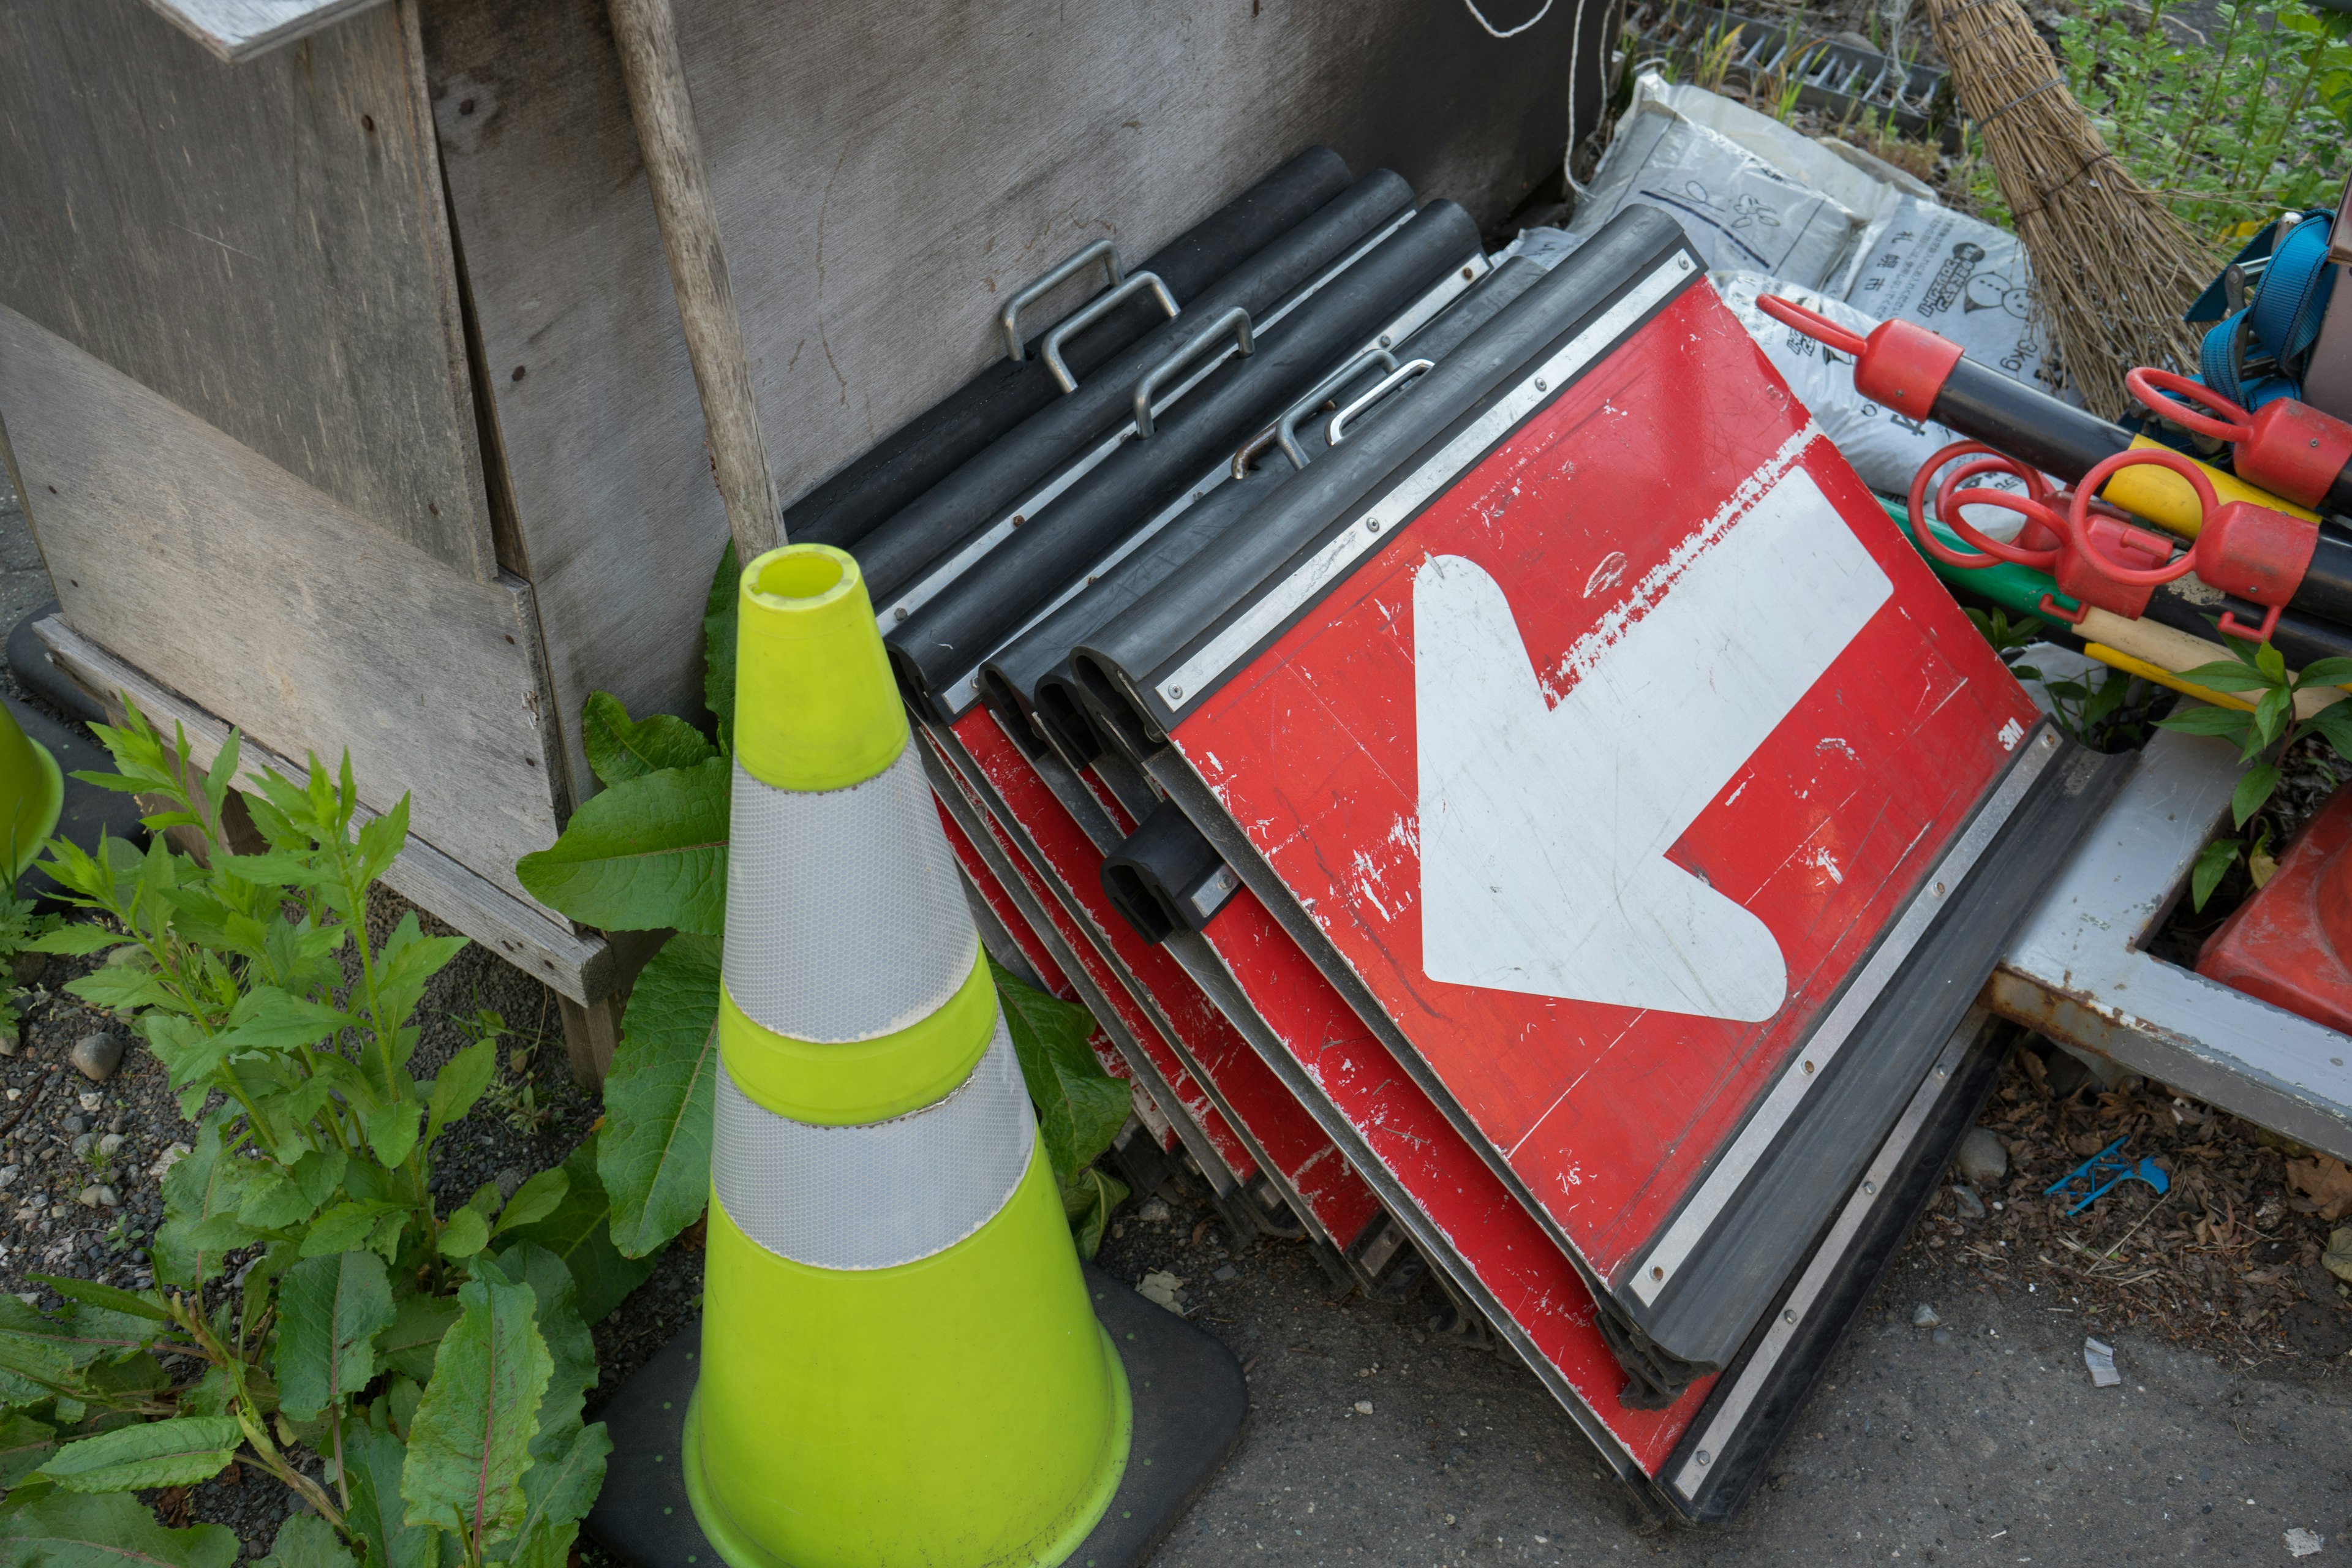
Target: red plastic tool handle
[(1993, 551), (2078, 515), (1812, 324), (2150, 386)]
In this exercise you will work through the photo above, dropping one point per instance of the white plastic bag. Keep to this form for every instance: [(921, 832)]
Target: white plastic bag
[(1738, 210), (1953, 275), (1884, 447)]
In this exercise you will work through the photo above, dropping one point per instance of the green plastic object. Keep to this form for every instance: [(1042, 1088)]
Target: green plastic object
[(32, 793), (815, 705), (2018, 589)]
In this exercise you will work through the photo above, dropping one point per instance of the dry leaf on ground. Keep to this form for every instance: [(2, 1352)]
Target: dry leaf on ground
[(2326, 1181)]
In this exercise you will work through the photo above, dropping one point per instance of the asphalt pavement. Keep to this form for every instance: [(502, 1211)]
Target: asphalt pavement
[(1991, 1446)]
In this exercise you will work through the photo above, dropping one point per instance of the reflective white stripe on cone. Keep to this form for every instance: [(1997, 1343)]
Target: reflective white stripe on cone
[(878, 1193), (844, 917)]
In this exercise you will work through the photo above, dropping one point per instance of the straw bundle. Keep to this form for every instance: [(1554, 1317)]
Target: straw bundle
[(2113, 268)]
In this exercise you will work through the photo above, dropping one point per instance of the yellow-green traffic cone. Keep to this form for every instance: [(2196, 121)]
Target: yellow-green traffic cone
[(899, 1363)]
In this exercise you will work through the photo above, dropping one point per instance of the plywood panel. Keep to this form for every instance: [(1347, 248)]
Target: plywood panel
[(266, 244), (884, 174), (271, 604), (240, 29)]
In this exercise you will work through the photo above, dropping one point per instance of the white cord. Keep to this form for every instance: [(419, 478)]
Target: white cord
[(1575, 58), (1493, 32)]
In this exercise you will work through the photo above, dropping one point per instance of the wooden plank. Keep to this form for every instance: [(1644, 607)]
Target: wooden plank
[(882, 175), (266, 603), (240, 29), (580, 966), (264, 244), (646, 32)]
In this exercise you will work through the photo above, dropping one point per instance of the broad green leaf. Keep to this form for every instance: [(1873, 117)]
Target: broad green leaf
[(2227, 675), (2254, 792), (580, 1233), (2214, 863), (25, 1446), (409, 1343), (49, 1348), (1087, 1203), (306, 1541), (461, 1083), (471, 1437), (134, 1303), (466, 1233), (571, 1351), (535, 1199), (267, 1019), (1080, 1108), (274, 1203), (373, 1460), (392, 1132), (120, 988), (175, 1453), (2270, 711), (2335, 722), (2327, 672), (558, 1491), (346, 1225), (78, 938), (645, 853), (67, 1530), (719, 614), (620, 749), (2270, 662), (655, 1155), (330, 1311), (2230, 723), (201, 1197)]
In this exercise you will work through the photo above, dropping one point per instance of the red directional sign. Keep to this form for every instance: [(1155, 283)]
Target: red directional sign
[(1605, 771)]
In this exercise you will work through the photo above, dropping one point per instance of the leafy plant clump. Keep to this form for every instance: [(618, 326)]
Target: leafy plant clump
[(417, 1376), (2231, 130), (2263, 736), (649, 853)]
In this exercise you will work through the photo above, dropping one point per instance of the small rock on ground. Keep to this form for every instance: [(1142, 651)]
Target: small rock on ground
[(1982, 1159), (1924, 1316), (1970, 1206), (96, 1057)]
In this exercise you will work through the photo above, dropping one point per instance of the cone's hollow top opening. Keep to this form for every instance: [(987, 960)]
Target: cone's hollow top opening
[(799, 577)]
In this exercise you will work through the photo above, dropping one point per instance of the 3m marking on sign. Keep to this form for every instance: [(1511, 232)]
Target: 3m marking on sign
[(1545, 829)]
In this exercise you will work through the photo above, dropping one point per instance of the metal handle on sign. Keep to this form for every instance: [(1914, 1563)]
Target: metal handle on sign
[(1009, 317), (1093, 311), (1386, 384), (1284, 429), (1235, 321)]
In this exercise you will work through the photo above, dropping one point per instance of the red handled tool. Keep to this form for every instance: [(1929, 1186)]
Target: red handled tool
[(2098, 557), (2288, 448), (1917, 374)]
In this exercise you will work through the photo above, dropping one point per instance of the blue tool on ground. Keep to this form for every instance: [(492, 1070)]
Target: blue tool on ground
[(2103, 1171)]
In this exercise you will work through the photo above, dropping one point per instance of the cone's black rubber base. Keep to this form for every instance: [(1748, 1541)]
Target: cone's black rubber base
[(1189, 1407)]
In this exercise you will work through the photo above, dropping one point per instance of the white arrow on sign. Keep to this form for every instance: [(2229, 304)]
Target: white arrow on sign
[(1543, 828)]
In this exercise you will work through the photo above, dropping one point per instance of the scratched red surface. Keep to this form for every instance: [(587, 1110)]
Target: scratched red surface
[(1155, 1050), (1343, 1206), (1536, 1286), (1608, 1113)]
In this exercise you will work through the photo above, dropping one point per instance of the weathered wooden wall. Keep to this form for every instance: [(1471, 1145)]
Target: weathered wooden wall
[(884, 173), (274, 606), (264, 244)]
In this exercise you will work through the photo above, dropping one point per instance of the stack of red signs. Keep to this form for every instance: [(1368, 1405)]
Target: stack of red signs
[(1529, 803)]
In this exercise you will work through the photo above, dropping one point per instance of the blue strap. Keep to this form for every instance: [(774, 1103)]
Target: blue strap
[(2283, 322), (2293, 296)]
